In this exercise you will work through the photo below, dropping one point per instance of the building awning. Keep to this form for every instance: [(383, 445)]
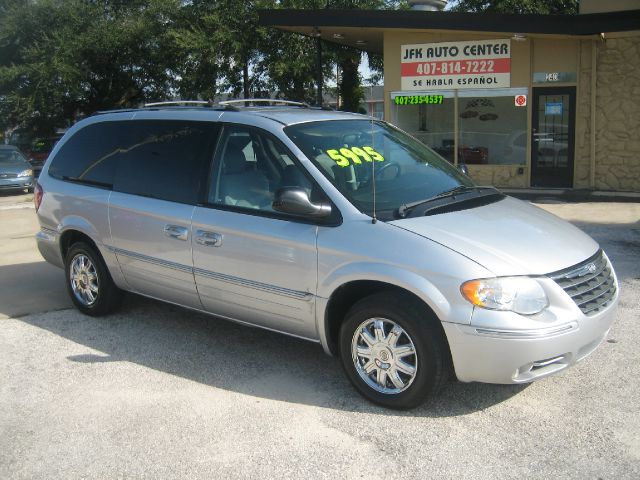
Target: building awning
[(364, 29)]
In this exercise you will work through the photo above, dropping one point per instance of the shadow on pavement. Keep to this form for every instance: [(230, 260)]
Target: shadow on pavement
[(27, 288), (236, 358)]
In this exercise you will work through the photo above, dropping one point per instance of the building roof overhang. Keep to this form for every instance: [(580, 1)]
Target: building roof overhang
[(364, 29)]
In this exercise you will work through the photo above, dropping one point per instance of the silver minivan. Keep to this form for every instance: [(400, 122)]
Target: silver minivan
[(327, 226)]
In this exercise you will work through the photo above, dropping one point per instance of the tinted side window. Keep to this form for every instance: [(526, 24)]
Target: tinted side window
[(89, 156), (165, 159), (251, 166)]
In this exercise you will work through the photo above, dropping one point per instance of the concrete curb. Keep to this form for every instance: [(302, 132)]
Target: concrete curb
[(571, 195)]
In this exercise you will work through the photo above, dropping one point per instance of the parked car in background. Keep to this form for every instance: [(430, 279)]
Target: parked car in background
[(15, 171), (39, 151), (35, 149)]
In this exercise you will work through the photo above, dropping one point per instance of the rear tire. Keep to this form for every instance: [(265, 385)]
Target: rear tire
[(88, 281), (394, 351)]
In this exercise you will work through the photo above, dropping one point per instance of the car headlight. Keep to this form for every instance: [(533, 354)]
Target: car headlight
[(26, 173), (522, 295)]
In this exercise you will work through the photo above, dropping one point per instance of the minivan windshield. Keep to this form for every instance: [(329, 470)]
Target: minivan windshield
[(350, 153)]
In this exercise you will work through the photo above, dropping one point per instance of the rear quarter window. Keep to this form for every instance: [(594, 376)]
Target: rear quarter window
[(160, 159), (89, 156)]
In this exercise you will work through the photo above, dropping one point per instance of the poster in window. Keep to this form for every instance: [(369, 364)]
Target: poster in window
[(553, 109)]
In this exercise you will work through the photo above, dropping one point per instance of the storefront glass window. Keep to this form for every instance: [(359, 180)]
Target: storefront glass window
[(492, 130), (429, 118), (376, 110)]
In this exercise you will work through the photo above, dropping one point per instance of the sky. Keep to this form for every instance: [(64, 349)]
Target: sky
[(364, 70)]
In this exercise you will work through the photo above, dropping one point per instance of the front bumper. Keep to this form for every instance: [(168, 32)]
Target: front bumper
[(17, 183), (494, 355)]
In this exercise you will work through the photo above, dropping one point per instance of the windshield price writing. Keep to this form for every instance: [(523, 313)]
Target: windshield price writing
[(418, 99), (344, 156)]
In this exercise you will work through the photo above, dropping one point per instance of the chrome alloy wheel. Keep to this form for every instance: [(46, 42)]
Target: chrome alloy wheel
[(384, 355), (84, 279)]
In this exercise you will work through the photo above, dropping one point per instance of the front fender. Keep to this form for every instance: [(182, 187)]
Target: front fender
[(436, 297), (380, 272)]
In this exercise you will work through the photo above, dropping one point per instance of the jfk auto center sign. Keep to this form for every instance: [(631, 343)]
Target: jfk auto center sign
[(456, 65)]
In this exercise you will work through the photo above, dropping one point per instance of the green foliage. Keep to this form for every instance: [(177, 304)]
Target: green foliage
[(288, 61), (567, 7), (350, 88), (62, 59)]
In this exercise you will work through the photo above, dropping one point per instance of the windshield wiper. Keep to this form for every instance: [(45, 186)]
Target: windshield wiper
[(87, 181), (404, 209)]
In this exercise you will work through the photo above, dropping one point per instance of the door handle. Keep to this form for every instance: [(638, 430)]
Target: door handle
[(208, 239), (177, 232)]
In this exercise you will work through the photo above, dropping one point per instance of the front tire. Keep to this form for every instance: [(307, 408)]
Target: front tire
[(393, 350), (89, 283)]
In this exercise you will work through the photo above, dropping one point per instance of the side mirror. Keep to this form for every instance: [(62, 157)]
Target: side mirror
[(296, 201), (463, 168)]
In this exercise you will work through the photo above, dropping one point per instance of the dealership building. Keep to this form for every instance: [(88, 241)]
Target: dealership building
[(544, 101)]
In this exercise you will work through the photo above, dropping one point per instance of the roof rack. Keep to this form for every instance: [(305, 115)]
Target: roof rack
[(179, 102), (233, 103)]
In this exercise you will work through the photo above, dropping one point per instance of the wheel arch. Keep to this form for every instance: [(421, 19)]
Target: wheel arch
[(71, 236), (344, 294), (75, 229)]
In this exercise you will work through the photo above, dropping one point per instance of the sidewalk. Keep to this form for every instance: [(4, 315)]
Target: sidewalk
[(571, 195)]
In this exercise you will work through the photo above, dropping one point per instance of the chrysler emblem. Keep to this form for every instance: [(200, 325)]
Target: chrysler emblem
[(582, 271), (586, 270)]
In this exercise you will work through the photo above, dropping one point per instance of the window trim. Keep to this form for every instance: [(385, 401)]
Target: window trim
[(77, 181), (208, 155), (333, 220)]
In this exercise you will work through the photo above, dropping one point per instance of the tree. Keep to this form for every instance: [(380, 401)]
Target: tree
[(64, 58), (348, 59), (196, 42), (567, 7), (289, 61), (239, 37), (123, 52)]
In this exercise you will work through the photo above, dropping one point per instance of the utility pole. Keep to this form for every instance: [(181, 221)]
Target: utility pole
[(319, 69)]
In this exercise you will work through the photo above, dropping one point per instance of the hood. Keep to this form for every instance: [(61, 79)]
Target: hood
[(509, 237)]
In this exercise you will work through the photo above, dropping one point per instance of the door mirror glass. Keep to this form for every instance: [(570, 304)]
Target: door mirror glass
[(296, 201), (463, 168)]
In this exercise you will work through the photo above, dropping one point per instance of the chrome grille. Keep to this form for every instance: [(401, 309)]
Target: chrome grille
[(590, 283), (8, 175)]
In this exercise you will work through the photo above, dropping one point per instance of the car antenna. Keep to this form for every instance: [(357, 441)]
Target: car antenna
[(374, 219)]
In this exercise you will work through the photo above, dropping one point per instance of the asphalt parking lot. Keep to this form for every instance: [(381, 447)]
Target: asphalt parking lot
[(156, 391)]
